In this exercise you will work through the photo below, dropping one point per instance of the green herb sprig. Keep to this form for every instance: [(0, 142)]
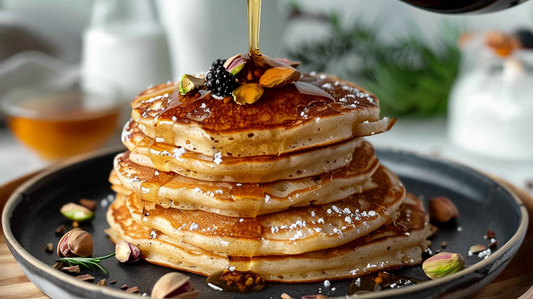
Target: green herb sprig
[(87, 262)]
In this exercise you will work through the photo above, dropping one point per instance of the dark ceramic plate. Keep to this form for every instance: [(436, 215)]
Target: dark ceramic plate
[(31, 217)]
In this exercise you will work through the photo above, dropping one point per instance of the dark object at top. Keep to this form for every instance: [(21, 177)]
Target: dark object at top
[(526, 38), (464, 6)]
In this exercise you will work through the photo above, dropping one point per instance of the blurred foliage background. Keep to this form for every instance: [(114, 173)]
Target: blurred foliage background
[(408, 73)]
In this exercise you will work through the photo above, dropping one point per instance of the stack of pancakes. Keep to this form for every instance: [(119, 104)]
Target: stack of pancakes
[(286, 187)]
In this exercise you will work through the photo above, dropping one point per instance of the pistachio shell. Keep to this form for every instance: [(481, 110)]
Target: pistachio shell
[(76, 212), (126, 252), (188, 83), (279, 77), (230, 60), (442, 264), (174, 285), (76, 242), (247, 93), (236, 65)]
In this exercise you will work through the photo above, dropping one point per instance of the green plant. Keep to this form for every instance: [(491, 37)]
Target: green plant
[(409, 76)]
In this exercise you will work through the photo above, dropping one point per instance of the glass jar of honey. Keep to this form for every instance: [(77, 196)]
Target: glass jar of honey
[(58, 124)]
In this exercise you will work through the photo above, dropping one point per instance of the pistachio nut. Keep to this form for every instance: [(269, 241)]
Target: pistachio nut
[(174, 285), (443, 264), (236, 65), (247, 93), (76, 212), (76, 242), (189, 83), (230, 60), (278, 77), (127, 252)]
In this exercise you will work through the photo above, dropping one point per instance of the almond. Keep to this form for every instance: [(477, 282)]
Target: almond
[(278, 77), (442, 209)]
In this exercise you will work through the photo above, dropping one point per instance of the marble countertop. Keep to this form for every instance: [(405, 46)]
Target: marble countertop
[(423, 136)]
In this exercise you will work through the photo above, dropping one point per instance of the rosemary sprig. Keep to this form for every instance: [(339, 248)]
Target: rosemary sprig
[(87, 262)]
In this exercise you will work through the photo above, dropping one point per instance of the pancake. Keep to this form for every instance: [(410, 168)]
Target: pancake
[(316, 110), (259, 169), (291, 231), (245, 199), (397, 244)]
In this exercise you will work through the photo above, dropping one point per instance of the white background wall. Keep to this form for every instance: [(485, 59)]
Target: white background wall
[(223, 23)]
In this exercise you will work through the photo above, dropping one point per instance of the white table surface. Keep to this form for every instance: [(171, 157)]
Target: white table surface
[(424, 136)]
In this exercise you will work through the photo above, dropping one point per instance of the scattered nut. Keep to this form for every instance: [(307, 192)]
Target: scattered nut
[(236, 65), (230, 60), (279, 77), (58, 265), (189, 83), (49, 247), (73, 269), (102, 283), (477, 248), (236, 281), (443, 264), (126, 252), (174, 285), (247, 93), (443, 244), (76, 242), (85, 277), (132, 290), (76, 212), (60, 230), (442, 209), (75, 224), (123, 287), (89, 203), (227, 99)]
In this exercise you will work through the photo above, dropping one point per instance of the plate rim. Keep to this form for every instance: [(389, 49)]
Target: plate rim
[(14, 245)]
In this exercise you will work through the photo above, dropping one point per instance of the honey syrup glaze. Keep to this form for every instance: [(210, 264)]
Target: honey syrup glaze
[(313, 96)]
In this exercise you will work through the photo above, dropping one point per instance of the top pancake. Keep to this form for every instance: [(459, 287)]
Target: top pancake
[(314, 111)]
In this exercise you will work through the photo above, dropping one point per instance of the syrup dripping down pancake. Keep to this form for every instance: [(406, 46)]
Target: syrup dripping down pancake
[(245, 199), (396, 244), (315, 111), (291, 231), (259, 169)]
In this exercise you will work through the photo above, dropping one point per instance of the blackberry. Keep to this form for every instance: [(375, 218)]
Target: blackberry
[(526, 37), (220, 82), (218, 62)]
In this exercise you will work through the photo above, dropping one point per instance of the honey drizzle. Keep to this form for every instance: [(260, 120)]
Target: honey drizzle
[(254, 21), (150, 189)]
